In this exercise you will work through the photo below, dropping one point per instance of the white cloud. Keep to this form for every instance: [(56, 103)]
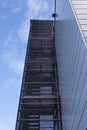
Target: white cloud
[(11, 55), (36, 9), (8, 39), (45, 6), (13, 62), (17, 66), (7, 125), (13, 82), (23, 31), (3, 127), (3, 3), (2, 17), (16, 10)]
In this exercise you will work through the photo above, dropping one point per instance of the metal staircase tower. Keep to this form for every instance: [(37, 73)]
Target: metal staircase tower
[(39, 105)]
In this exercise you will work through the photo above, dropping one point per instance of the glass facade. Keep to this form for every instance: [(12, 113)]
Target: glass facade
[(71, 53)]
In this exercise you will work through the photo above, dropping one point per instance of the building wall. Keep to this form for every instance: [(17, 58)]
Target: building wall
[(80, 8), (71, 55)]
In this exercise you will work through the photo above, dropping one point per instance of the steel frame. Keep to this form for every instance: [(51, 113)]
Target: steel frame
[(39, 105)]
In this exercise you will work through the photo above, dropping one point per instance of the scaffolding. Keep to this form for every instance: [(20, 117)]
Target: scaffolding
[(39, 105)]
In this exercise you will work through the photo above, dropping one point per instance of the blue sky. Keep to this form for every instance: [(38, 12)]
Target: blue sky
[(14, 29)]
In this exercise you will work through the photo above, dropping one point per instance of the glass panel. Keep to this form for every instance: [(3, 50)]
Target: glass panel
[(84, 27), (85, 33), (46, 125), (81, 11), (80, 6), (86, 39), (82, 16), (83, 21), (47, 90), (83, 2)]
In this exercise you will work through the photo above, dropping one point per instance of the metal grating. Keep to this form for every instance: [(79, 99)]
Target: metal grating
[(39, 105)]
